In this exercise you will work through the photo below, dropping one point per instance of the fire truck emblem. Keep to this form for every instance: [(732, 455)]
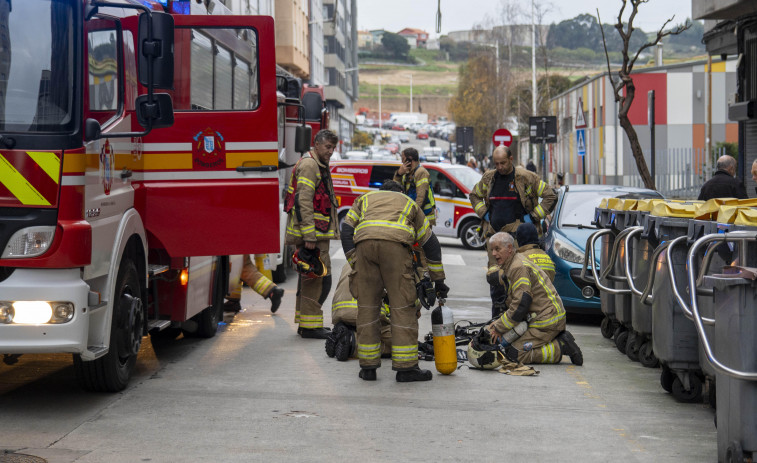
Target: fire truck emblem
[(208, 150), (106, 166)]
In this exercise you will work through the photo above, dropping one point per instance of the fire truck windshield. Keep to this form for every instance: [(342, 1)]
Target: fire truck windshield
[(36, 66)]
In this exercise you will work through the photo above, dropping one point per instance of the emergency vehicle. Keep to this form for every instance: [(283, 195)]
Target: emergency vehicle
[(120, 205), (451, 185)]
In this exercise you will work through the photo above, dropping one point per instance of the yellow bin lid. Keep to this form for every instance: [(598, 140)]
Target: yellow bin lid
[(675, 209), (722, 209), (647, 205), (615, 204), (746, 216)]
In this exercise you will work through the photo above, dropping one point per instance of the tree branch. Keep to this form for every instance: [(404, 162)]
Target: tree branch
[(607, 57)]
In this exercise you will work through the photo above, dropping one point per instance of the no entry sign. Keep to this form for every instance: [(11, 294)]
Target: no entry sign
[(502, 137)]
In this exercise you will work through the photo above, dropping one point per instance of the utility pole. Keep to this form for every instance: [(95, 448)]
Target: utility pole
[(380, 126), (411, 93)]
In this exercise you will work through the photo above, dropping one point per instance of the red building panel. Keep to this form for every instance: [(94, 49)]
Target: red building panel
[(644, 83)]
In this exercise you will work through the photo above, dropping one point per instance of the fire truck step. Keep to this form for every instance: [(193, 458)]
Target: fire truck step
[(158, 325), (97, 351), (156, 269)]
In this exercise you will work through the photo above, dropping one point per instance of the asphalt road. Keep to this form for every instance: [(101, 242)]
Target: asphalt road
[(258, 392)]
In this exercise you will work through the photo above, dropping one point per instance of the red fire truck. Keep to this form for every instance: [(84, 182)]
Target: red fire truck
[(120, 203)]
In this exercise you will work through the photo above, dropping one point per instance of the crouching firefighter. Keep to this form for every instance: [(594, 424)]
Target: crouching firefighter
[(377, 237), (342, 343), (530, 297), (311, 224)]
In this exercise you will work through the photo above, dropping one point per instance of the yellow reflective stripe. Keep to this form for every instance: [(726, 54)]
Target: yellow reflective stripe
[(478, 206), (320, 216), (353, 215), (421, 182), (326, 234), (506, 321), (423, 229), (479, 192), (369, 351), (542, 185), (405, 353), (351, 304), (435, 267), (262, 286), (528, 189), (540, 211), (306, 181), (385, 224), (311, 321), (560, 310), (19, 186), (548, 354), (49, 162), (520, 281), (307, 228), (405, 212), (384, 309), (293, 231)]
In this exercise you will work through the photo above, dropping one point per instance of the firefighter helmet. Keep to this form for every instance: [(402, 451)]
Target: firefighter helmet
[(482, 354), (308, 262)]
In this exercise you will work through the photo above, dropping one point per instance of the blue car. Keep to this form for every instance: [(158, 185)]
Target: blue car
[(565, 240)]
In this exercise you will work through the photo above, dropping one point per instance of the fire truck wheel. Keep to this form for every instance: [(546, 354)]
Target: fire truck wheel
[(207, 320), (112, 371)]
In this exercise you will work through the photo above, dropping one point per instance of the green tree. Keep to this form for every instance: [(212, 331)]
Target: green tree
[(583, 31), (396, 45)]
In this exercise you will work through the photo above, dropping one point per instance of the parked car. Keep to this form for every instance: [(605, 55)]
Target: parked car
[(393, 148), (567, 232), (421, 136), (451, 184), (404, 138)]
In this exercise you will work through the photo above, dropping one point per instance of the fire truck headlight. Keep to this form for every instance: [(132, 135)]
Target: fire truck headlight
[(32, 312), (29, 242), (62, 312), (6, 312)]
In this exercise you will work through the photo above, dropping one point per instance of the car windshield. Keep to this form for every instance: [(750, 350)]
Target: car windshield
[(36, 66), (465, 175), (578, 206)]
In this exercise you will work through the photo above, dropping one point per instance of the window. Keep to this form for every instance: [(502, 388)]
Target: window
[(102, 46), (381, 173), (224, 70), (439, 182)]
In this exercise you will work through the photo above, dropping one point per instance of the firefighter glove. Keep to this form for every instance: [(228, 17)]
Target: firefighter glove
[(441, 289)]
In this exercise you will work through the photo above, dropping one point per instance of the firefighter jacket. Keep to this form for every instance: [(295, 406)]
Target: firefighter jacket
[(530, 188), (344, 306), (536, 255), (530, 291), (392, 216), (416, 185), (309, 203)]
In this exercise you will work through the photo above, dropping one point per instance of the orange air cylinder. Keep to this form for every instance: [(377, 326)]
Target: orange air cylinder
[(443, 330)]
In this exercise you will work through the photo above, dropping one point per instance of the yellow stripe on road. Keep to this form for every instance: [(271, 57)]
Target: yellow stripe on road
[(49, 162), (19, 186)]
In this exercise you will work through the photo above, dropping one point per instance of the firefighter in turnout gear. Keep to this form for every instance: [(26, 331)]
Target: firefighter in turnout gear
[(341, 342), (312, 223), (258, 282), (504, 198), (531, 292), (528, 245), (414, 179), (377, 237)]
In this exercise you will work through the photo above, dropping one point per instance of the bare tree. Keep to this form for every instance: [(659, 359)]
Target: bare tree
[(510, 13), (626, 81)]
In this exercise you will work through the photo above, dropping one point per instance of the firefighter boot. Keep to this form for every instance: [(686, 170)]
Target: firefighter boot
[(232, 305), (345, 343), (314, 333), (275, 297), (569, 347), (367, 374), (416, 374), (331, 342)]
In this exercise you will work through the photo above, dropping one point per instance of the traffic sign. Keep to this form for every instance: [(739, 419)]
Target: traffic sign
[(580, 118), (502, 137), (581, 142)]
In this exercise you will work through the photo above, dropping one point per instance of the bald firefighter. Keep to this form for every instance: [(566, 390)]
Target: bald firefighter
[(507, 196), (312, 223), (530, 293), (377, 237)]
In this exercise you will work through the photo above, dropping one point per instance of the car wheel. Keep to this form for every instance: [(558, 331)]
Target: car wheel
[(470, 237)]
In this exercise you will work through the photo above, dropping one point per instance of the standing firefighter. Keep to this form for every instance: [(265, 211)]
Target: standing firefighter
[(504, 198), (531, 296), (414, 180), (311, 224), (377, 237)]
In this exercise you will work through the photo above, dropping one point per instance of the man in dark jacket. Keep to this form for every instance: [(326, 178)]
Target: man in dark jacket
[(723, 183)]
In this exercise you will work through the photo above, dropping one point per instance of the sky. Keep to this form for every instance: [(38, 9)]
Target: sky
[(395, 15)]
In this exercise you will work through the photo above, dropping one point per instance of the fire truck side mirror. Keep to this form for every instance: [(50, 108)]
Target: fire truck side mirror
[(92, 129), (302, 138), (156, 113), (159, 50)]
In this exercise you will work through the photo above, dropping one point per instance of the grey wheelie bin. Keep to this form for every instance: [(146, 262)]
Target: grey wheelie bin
[(603, 218), (674, 337), (637, 272), (732, 351)]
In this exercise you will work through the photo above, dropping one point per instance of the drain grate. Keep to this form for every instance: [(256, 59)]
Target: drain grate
[(20, 458)]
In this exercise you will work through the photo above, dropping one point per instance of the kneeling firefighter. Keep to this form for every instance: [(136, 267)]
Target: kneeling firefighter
[(342, 343), (377, 237), (530, 296)]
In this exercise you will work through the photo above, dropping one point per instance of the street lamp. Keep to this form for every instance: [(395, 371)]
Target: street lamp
[(411, 92)]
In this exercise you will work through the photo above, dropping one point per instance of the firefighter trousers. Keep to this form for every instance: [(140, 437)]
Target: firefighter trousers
[(311, 292), (538, 344), (252, 278), (383, 264)]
